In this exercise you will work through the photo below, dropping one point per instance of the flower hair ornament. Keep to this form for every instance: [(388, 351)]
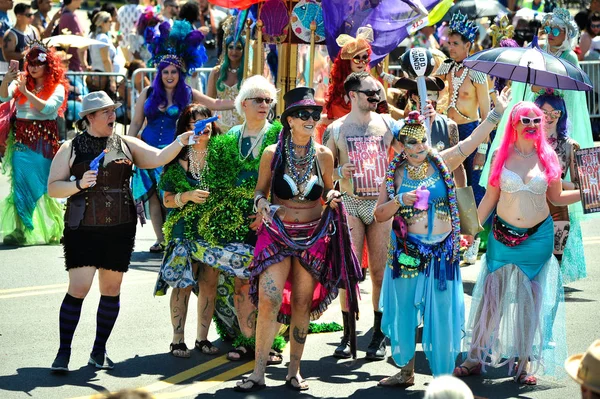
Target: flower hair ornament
[(460, 24), (351, 46), (562, 18), (180, 46), (550, 92), (502, 29)]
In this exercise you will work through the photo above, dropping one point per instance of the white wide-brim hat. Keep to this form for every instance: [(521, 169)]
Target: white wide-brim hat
[(585, 367), (96, 101)]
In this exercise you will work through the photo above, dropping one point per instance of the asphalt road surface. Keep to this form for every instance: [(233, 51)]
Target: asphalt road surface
[(33, 283)]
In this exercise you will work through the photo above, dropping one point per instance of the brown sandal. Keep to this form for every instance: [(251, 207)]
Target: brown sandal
[(403, 379)]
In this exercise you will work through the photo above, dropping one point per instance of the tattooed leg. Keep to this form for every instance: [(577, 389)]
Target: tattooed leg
[(270, 290), (208, 280), (180, 298), (303, 285), (245, 310)]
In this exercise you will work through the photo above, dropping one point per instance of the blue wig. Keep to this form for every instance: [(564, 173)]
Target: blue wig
[(182, 95), (226, 62), (557, 103)]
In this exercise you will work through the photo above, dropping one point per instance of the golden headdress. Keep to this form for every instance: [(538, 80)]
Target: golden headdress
[(502, 29)]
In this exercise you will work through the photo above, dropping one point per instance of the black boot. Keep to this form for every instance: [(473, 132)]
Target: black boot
[(343, 350), (377, 348)]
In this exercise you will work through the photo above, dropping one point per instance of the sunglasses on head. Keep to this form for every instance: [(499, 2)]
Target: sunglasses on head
[(528, 121), (361, 60), (370, 93), (238, 47), (554, 114), (260, 100), (305, 114), (554, 31)]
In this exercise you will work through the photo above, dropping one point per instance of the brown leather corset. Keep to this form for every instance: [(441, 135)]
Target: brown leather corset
[(108, 203)]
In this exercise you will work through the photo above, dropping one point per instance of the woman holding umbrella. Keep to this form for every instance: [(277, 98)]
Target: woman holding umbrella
[(518, 302)]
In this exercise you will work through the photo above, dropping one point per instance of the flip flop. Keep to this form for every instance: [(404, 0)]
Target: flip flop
[(252, 388), (274, 354), (299, 387), (244, 354), (157, 248)]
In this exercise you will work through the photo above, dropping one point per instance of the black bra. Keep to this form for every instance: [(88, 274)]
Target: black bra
[(285, 187)]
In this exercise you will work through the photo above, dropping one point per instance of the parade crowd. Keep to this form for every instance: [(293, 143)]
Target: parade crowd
[(269, 218)]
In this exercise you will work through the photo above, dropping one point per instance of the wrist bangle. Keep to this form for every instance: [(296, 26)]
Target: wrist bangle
[(494, 117), (339, 172), (388, 77), (256, 201), (180, 142), (398, 200), (178, 202), (461, 151), (78, 185), (482, 149)]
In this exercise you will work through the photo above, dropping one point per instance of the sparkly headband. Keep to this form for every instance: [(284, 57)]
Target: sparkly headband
[(459, 24), (172, 59), (413, 126), (352, 46)]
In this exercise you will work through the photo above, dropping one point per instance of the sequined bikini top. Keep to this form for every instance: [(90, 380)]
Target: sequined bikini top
[(510, 182)]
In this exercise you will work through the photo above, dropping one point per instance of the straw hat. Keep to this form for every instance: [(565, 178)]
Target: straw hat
[(95, 102), (585, 367)]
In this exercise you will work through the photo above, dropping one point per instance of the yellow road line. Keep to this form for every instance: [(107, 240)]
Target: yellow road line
[(34, 288), (200, 386), (176, 379)]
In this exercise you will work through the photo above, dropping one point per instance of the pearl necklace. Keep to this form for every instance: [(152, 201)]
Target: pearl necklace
[(233, 70), (524, 155), (194, 168), (258, 139), (418, 172)]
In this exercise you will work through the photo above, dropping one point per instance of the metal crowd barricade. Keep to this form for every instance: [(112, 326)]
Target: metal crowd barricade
[(592, 68), (150, 73)]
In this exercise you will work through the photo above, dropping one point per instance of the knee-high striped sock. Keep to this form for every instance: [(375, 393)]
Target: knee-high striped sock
[(70, 311), (108, 310)]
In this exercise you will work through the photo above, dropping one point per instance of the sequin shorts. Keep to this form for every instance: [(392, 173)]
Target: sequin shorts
[(364, 209)]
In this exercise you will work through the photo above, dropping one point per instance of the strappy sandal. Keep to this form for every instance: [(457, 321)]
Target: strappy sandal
[(252, 388), (206, 347), (179, 348), (157, 248), (243, 352), (300, 385), (525, 379), (274, 358), (464, 371), (403, 379)]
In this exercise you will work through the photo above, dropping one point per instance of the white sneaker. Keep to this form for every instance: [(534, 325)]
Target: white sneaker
[(470, 255)]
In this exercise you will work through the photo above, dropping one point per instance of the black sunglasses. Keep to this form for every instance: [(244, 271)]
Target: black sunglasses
[(370, 93), (260, 100), (305, 114)]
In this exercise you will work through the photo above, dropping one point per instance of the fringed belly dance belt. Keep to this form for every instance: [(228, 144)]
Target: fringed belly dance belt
[(40, 136), (413, 256)]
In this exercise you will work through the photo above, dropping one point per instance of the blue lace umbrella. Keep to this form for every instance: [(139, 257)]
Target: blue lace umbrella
[(530, 65)]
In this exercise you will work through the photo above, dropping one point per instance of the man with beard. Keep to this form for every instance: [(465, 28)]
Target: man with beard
[(360, 142)]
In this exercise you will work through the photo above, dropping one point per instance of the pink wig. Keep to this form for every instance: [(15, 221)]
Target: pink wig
[(545, 153)]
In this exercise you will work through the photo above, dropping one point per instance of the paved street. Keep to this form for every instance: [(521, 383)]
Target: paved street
[(33, 284)]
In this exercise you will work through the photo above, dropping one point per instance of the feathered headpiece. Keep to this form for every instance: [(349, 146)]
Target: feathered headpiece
[(180, 46), (355, 45), (502, 29), (460, 24), (562, 18)]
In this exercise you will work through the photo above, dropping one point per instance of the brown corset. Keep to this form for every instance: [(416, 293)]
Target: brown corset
[(108, 203)]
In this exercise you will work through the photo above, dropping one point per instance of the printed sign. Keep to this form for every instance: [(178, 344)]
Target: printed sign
[(369, 156), (418, 61), (588, 166)]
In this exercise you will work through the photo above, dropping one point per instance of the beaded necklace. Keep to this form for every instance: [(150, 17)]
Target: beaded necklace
[(296, 163), (257, 140), (194, 168), (438, 161), (456, 85), (418, 172)]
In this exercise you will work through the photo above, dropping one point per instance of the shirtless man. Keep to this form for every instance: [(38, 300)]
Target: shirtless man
[(362, 124), (469, 100)]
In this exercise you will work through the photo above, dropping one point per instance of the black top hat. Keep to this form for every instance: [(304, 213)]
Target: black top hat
[(432, 83), (297, 99)]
